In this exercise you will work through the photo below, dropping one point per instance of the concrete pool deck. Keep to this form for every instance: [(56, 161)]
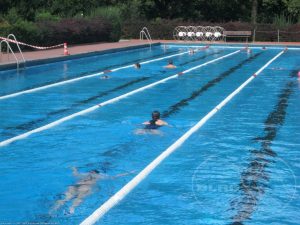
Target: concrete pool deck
[(51, 55)]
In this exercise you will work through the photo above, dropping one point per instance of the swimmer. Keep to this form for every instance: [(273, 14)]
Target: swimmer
[(104, 77), (156, 122), (264, 48), (191, 51), (83, 188), (137, 65), (277, 68), (170, 65), (299, 75), (152, 126)]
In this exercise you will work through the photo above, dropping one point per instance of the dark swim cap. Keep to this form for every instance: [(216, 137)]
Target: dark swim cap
[(95, 171), (155, 115)]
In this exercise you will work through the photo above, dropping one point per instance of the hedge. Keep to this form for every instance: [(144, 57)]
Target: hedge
[(72, 31), (99, 29), (75, 31)]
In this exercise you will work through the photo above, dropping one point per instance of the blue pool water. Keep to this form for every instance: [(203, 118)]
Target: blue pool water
[(241, 167)]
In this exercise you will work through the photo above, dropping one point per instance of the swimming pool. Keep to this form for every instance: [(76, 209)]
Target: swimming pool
[(240, 167)]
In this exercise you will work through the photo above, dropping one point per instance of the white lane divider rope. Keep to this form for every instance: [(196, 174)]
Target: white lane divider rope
[(123, 192), (86, 77), (57, 122)]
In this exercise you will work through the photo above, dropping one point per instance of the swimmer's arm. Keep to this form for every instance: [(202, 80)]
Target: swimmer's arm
[(165, 123), (162, 123), (123, 174), (146, 123), (76, 173)]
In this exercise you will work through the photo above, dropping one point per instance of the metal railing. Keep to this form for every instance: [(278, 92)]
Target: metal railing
[(9, 49), (17, 43), (277, 33), (145, 32), (13, 39)]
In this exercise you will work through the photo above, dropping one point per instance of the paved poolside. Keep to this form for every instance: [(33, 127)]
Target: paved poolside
[(98, 47)]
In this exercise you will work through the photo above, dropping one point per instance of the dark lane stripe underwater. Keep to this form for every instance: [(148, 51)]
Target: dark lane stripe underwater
[(34, 123), (255, 178), (184, 102), (199, 58)]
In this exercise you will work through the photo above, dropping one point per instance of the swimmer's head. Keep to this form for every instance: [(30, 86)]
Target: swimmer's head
[(95, 171), (170, 62), (104, 77), (155, 115), (137, 66)]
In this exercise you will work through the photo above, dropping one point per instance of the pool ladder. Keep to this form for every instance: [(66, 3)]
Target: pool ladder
[(9, 49), (145, 32)]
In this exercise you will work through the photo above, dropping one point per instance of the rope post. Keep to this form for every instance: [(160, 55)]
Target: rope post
[(66, 52)]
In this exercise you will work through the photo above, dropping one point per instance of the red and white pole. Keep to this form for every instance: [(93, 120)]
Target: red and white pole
[(66, 52)]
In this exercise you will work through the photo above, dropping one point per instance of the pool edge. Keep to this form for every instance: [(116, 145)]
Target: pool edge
[(35, 62)]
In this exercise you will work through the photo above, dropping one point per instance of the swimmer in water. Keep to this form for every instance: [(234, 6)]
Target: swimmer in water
[(191, 51), (277, 68), (170, 65), (83, 188), (137, 66), (104, 77), (156, 122), (151, 126)]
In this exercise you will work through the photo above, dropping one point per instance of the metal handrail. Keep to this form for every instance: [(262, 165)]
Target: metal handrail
[(145, 32), (17, 43), (9, 48)]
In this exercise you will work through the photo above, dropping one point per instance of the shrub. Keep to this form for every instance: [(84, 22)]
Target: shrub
[(12, 16), (75, 31), (5, 28), (46, 16), (47, 33), (112, 14)]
